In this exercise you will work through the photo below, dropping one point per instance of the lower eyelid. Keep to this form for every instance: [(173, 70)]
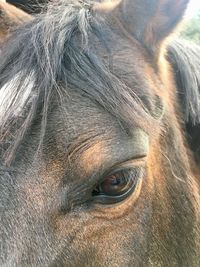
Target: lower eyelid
[(106, 203)]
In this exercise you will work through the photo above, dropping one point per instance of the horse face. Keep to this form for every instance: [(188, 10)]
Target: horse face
[(85, 149), (111, 184)]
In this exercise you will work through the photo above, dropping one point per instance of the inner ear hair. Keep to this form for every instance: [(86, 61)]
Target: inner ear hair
[(184, 57)]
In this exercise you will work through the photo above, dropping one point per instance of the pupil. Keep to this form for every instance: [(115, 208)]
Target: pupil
[(115, 181), (113, 184)]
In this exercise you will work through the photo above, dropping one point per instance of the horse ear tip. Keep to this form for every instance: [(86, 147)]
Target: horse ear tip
[(105, 6)]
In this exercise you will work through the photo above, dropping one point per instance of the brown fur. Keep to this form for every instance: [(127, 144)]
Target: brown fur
[(10, 18), (149, 22), (105, 104)]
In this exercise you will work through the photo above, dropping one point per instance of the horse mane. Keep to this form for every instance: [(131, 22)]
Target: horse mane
[(52, 52), (184, 57)]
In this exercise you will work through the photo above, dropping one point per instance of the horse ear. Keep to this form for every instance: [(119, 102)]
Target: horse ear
[(150, 21), (184, 58), (10, 17)]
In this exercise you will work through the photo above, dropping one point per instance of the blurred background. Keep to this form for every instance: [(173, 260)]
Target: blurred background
[(191, 26)]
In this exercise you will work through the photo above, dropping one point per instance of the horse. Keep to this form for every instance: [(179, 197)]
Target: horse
[(10, 18), (99, 130)]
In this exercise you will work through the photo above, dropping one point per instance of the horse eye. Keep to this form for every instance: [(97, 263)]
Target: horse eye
[(117, 186)]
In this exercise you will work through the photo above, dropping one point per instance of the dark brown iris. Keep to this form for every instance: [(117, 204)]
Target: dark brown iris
[(116, 184)]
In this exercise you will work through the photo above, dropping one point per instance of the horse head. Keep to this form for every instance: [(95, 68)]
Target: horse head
[(97, 166)]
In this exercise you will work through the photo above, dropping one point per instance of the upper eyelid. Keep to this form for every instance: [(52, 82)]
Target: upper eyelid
[(99, 175), (141, 160), (130, 164)]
